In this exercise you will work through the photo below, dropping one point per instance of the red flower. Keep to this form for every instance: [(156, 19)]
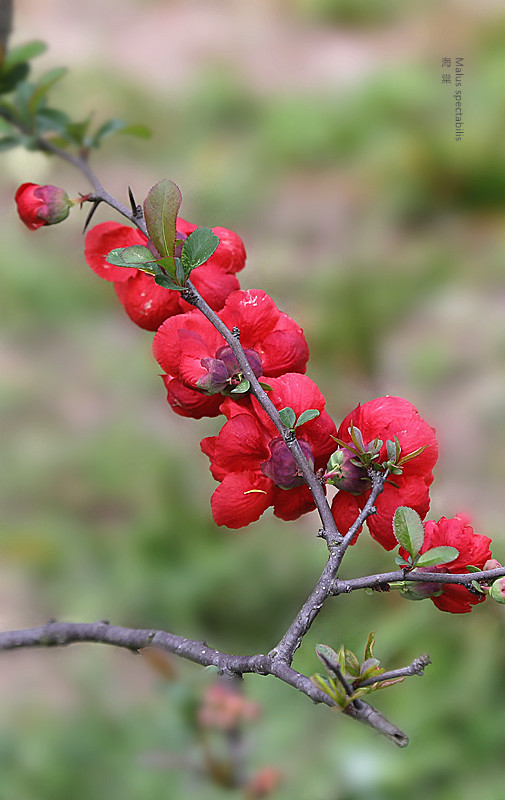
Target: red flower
[(386, 418), (254, 465), (42, 205), (196, 357), (148, 304), (473, 550)]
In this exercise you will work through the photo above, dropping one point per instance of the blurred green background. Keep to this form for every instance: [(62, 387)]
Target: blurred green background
[(321, 131)]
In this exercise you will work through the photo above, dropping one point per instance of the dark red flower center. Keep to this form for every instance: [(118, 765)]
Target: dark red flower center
[(223, 371), (281, 467)]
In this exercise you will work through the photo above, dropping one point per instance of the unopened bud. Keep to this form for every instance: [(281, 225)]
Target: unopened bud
[(497, 590), (42, 205), (491, 563), (342, 472)]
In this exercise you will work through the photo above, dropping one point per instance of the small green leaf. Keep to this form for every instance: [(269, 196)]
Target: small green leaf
[(436, 556), (351, 664), (328, 658), (161, 207), (8, 142), (9, 80), (408, 529), (23, 52), (473, 568), (198, 248), (49, 120), (401, 562), (136, 256), (265, 387), (141, 131), (311, 413), (167, 282), (370, 644), (44, 85), (242, 388), (288, 417)]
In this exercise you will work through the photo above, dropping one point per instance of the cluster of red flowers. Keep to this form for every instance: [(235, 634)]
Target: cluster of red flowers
[(250, 460)]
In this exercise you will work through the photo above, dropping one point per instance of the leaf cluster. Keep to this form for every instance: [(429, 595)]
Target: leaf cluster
[(409, 531), (26, 115), (345, 675), (161, 208)]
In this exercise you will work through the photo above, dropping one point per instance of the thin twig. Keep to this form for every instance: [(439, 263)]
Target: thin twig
[(416, 668), (401, 575), (59, 634)]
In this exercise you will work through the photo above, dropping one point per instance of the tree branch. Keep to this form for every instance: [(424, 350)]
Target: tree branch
[(416, 668), (324, 588), (382, 580), (59, 634)]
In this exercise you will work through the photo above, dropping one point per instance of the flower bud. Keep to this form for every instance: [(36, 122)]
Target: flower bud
[(281, 467), (491, 563), (497, 590), (42, 205), (344, 474), (420, 590)]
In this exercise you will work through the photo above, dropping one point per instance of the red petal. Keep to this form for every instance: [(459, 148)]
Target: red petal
[(292, 503), (345, 509), (230, 254), (241, 444), (146, 303), (105, 237), (411, 492), (253, 312), (284, 351), (456, 599), (188, 402), (241, 498)]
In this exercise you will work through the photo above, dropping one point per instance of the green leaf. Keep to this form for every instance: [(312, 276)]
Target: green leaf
[(408, 529), (473, 568), (288, 417), (136, 256), (44, 85), (265, 387), (351, 664), (401, 562), (51, 119), (180, 276), (370, 644), (328, 658), (167, 282), (76, 131), (141, 131), (437, 555), (161, 207), (8, 142), (9, 80), (242, 388), (23, 52), (198, 248), (311, 413)]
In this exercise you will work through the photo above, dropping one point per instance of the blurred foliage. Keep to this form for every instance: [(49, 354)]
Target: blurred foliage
[(384, 238)]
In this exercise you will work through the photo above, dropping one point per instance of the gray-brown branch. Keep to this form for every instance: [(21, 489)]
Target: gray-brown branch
[(59, 634)]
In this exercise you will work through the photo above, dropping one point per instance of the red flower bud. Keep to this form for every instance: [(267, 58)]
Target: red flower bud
[(42, 205)]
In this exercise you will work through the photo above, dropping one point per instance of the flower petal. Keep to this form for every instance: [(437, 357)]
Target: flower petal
[(241, 498), (105, 237)]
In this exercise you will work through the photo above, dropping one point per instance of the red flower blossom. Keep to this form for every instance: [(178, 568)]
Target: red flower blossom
[(200, 365), (148, 304), (42, 205), (254, 465), (473, 550), (386, 418)]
